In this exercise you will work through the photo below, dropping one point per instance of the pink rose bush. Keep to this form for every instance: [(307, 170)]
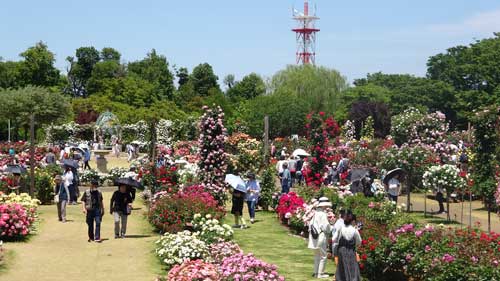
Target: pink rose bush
[(15, 221), (211, 153), (241, 267), (196, 270), (220, 251)]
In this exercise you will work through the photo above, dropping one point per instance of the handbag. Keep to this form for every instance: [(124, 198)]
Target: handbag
[(314, 232), (56, 198), (129, 210)]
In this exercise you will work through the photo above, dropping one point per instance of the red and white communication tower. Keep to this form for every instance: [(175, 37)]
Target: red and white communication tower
[(306, 35)]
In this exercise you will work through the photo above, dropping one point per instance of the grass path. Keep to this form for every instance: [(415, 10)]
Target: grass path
[(273, 243), (60, 251)]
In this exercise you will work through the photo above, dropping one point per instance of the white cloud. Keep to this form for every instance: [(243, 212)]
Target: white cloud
[(480, 24)]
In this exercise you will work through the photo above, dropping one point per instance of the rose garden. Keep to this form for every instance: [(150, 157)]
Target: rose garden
[(180, 148)]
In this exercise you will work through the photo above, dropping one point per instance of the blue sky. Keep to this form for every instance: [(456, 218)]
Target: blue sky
[(239, 37)]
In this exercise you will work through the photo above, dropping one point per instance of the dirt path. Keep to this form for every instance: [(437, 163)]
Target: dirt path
[(478, 213), (60, 251)]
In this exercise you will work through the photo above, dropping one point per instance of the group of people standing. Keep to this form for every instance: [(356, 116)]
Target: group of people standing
[(345, 238), (93, 205)]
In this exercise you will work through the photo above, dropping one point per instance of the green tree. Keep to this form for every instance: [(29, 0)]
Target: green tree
[(474, 71), (110, 54), (203, 79), (37, 67), (154, 69), (286, 113), (249, 87), (80, 71), (410, 91), (229, 81), (365, 93), (9, 74), (46, 107), (182, 76), (320, 87), (102, 73)]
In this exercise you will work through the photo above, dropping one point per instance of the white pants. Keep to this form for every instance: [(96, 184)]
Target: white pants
[(320, 257), (123, 217)]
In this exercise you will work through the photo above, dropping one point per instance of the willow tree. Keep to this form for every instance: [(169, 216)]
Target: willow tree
[(319, 86)]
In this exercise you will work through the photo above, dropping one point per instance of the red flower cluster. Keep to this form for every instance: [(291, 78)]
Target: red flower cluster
[(170, 212), (320, 129), (288, 204)]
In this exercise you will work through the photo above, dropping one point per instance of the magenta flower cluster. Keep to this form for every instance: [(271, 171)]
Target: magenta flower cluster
[(15, 221)]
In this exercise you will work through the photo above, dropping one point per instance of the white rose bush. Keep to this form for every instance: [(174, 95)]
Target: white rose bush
[(443, 177)]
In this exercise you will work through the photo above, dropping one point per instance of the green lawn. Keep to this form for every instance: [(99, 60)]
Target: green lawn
[(273, 243)]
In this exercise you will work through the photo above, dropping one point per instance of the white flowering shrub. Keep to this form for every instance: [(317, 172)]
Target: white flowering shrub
[(349, 131), (163, 132), (211, 230), (183, 246), (443, 177), (138, 132)]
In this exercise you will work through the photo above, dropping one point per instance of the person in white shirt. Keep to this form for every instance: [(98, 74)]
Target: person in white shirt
[(336, 227), (322, 225), (279, 166), (346, 240), (68, 178), (394, 188)]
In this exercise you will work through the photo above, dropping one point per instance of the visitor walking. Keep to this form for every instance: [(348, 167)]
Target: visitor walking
[(298, 174), (61, 197), (93, 208), (237, 209), (336, 227), (252, 195), (120, 207), (86, 158), (346, 240), (318, 230), (130, 152), (68, 179), (50, 157), (286, 179), (292, 166), (394, 188), (440, 199)]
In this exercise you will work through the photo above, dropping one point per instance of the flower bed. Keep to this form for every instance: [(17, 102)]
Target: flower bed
[(429, 253), (170, 212), (247, 267)]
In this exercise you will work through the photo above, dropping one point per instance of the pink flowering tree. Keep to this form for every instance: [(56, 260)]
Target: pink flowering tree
[(212, 156)]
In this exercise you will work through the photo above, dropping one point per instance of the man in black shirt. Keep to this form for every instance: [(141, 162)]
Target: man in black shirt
[(93, 207), (120, 207)]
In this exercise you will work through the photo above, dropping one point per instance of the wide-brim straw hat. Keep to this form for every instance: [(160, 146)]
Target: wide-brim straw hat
[(324, 202)]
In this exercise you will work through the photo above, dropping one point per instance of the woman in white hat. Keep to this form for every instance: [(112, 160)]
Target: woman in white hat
[(321, 226)]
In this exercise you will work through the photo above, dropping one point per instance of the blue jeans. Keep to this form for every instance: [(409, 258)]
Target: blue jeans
[(251, 208), (94, 215), (285, 188)]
